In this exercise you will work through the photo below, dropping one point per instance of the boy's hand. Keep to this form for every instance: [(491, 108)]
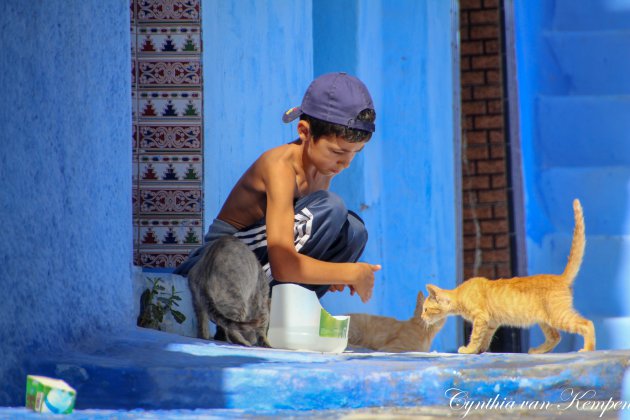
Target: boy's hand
[(341, 288), (364, 280)]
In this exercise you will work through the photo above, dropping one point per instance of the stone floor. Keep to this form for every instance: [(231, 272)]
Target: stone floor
[(421, 413), (149, 374)]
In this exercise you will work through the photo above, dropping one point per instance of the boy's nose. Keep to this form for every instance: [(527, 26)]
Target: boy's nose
[(345, 162)]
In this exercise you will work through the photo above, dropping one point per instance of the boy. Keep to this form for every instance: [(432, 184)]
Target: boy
[(281, 208)]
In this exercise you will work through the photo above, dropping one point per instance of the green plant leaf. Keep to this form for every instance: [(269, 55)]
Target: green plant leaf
[(179, 317)]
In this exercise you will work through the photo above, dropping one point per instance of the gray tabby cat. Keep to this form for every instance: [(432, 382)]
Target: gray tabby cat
[(229, 288)]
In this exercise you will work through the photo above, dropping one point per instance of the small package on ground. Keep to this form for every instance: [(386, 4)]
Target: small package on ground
[(48, 395)]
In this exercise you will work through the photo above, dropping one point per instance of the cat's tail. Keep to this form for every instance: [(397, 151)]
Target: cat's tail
[(577, 246)]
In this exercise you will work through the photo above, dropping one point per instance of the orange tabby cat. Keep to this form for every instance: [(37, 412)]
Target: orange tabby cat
[(545, 299), (383, 333)]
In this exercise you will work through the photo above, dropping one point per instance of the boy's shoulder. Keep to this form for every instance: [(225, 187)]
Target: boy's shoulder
[(281, 162), (285, 154)]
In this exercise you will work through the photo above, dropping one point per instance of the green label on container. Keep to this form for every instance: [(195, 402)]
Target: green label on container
[(329, 326), (47, 395)]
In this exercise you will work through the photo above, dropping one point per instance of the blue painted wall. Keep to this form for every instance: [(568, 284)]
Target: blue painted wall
[(257, 60), (574, 97), (65, 177), (403, 182), (65, 168), (409, 171)]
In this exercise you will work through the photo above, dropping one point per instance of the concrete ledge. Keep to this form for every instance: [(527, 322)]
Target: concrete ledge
[(152, 370)]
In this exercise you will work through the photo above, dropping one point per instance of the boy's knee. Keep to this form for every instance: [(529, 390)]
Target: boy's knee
[(326, 202), (357, 233)]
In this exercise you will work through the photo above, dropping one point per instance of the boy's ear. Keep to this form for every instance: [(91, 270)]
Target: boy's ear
[(304, 130)]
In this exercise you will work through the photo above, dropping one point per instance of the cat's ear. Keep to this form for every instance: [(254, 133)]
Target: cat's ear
[(420, 298), (433, 290), (417, 313), (439, 295)]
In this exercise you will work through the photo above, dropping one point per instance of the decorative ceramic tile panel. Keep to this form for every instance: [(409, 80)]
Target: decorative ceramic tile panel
[(169, 10), (168, 127)]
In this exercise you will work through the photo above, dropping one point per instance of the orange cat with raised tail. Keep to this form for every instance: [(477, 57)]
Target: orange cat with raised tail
[(543, 299)]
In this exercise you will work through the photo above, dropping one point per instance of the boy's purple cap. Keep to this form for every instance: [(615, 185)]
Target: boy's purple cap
[(336, 98)]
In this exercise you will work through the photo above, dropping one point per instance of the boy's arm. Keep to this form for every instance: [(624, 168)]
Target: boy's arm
[(286, 263)]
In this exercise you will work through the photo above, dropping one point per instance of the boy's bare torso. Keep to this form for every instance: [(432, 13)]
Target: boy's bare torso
[(247, 201), (269, 188)]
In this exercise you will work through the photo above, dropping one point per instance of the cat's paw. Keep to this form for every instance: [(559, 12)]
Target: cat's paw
[(467, 350), (262, 341), (542, 349)]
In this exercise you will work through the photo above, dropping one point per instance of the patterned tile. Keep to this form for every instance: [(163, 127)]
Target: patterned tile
[(164, 258), (168, 10), (153, 238), (166, 105), (158, 169), (168, 73), (176, 40), (168, 131), (161, 138), (169, 201)]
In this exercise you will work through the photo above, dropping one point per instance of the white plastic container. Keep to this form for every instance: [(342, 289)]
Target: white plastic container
[(298, 322)]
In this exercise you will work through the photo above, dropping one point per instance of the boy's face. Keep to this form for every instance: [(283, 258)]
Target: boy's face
[(332, 154)]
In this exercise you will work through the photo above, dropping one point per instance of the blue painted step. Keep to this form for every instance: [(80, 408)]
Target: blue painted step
[(604, 193), (591, 15), (604, 269), (597, 128), (152, 370), (593, 63)]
